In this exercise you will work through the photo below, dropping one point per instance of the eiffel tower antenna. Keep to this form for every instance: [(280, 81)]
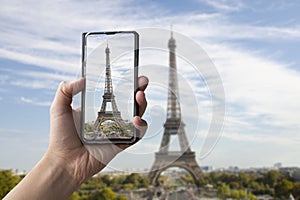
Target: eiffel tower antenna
[(164, 158)]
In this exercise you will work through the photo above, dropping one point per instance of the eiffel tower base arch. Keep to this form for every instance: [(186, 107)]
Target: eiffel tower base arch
[(184, 160)]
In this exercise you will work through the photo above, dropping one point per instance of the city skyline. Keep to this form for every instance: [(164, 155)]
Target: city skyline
[(252, 44)]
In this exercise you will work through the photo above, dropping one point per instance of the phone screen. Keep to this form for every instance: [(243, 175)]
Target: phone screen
[(110, 68)]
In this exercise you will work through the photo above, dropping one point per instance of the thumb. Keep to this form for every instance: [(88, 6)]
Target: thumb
[(64, 95)]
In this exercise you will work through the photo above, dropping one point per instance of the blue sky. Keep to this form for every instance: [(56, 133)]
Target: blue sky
[(254, 46)]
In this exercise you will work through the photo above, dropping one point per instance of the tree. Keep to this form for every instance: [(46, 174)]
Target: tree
[(235, 185), (7, 182), (136, 180), (272, 178), (121, 197), (251, 196), (103, 194), (296, 190), (283, 189), (259, 188), (75, 196), (162, 180), (133, 179), (105, 179), (128, 186), (245, 179), (224, 191), (188, 179)]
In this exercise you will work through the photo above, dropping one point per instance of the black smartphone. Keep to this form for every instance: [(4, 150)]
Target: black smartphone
[(110, 68)]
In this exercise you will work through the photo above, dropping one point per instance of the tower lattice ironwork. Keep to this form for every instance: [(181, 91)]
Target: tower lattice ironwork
[(164, 158), (108, 97)]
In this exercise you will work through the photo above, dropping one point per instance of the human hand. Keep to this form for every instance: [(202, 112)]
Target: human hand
[(66, 148), (67, 162)]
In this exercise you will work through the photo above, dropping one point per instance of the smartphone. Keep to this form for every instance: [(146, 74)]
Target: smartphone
[(110, 69)]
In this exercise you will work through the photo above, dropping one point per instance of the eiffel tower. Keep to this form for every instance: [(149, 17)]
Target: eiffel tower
[(164, 158), (104, 114)]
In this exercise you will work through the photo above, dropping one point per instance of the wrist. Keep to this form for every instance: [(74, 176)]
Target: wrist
[(48, 180), (61, 173), (74, 163)]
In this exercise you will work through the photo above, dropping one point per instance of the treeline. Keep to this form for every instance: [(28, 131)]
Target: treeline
[(104, 187), (239, 185), (228, 185)]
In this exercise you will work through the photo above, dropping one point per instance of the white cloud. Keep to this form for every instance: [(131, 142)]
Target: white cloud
[(262, 138), (45, 75), (56, 44), (225, 5), (34, 84), (35, 102), (48, 62), (260, 85), (47, 81)]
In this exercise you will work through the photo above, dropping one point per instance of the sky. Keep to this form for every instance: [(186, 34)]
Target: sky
[(252, 45)]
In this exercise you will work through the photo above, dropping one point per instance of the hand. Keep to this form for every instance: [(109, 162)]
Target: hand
[(65, 145), (67, 162)]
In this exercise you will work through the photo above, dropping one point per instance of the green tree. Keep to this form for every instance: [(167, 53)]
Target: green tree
[(162, 180), (224, 191), (121, 197), (251, 196), (188, 179), (137, 180), (235, 185), (272, 178), (296, 190), (103, 194), (133, 179), (260, 188), (244, 179), (235, 194), (89, 127), (116, 182), (7, 182), (128, 186), (75, 196), (106, 179), (283, 189)]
